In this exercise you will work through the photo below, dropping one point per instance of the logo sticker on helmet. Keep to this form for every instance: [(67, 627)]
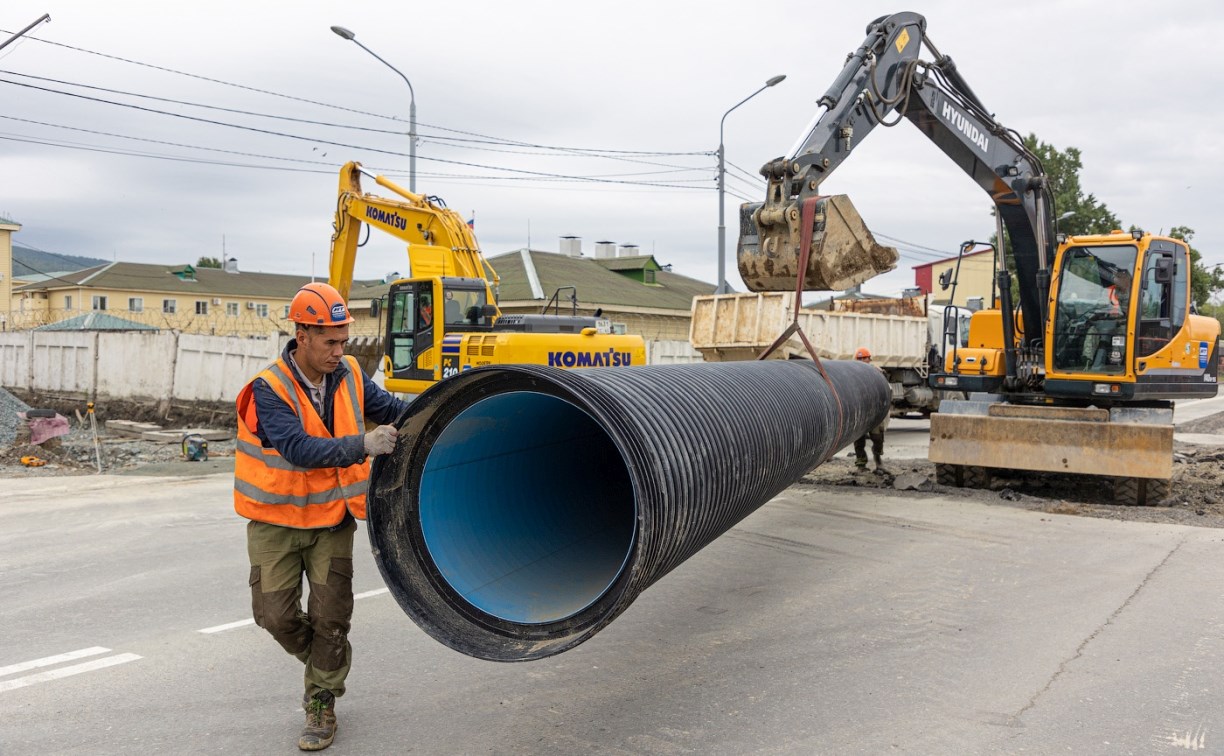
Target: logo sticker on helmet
[(337, 312)]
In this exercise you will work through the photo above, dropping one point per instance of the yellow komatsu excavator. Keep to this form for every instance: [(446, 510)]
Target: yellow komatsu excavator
[(1077, 376), (444, 318)]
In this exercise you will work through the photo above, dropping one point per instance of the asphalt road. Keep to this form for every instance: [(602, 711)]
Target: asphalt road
[(867, 623)]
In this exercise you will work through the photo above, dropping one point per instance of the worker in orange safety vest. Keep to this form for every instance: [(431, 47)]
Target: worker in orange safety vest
[(875, 435), (301, 469)]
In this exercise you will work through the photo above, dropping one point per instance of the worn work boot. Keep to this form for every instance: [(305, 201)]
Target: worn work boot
[(860, 463), (320, 729), (879, 464)]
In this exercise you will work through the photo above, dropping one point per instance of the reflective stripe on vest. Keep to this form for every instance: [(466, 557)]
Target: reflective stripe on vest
[(269, 488)]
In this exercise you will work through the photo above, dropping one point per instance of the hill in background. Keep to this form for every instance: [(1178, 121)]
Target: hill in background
[(29, 262)]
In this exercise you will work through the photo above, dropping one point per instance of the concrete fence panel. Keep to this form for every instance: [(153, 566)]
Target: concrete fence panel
[(176, 366), (15, 349), (65, 362), (215, 368), (134, 365), (671, 352)]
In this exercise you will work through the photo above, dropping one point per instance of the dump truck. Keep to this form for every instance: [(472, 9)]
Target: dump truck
[(907, 337)]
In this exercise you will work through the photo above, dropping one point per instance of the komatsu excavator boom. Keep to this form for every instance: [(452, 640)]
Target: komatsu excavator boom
[(444, 318)]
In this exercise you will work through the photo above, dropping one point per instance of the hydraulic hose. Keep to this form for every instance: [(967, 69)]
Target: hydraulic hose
[(526, 507)]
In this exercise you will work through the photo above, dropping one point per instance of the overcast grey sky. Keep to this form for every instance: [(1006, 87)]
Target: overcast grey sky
[(1133, 85)]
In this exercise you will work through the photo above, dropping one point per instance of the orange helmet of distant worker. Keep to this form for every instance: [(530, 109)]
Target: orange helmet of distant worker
[(862, 353), (319, 304)]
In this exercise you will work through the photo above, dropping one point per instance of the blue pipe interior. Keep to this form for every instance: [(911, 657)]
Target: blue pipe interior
[(527, 508)]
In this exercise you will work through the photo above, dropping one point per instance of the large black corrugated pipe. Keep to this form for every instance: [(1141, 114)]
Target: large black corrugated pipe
[(526, 506)]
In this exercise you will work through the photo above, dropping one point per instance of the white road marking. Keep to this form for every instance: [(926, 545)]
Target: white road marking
[(47, 661), (76, 669), (245, 622), (228, 626)]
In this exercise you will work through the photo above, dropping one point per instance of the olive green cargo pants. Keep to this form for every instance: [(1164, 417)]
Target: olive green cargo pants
[(318, 637)]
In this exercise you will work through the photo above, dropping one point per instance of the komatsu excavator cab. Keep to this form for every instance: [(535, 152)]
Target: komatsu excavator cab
[(416, 310)]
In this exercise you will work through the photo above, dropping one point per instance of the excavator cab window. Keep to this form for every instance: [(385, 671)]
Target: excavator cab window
[(1093, 309), (464, 309), (409, 328), (1155, 304)]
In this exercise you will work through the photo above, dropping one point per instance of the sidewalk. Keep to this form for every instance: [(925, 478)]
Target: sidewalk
[(1195, 409)]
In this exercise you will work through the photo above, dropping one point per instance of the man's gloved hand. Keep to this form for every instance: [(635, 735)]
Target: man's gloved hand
[(381, 440)]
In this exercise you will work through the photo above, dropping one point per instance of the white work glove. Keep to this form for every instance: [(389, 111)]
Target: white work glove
[(381, 440)]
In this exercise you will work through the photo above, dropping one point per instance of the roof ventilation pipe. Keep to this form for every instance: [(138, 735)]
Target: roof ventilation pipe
[(527, 506)]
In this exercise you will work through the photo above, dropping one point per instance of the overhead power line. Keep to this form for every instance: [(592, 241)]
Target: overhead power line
[(755, 178), (339, 107), (316, 140)]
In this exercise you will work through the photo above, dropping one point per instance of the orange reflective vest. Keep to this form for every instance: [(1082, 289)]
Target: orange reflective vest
[(269, 488)]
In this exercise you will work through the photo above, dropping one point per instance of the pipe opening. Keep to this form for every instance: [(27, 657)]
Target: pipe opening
[(527, 508)]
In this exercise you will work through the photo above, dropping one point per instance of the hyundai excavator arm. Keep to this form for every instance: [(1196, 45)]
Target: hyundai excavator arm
[(883, 81), (440, 243)]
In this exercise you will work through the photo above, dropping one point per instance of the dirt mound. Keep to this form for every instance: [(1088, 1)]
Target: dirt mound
[(173, 414), (1210, 424), (1196, 493)]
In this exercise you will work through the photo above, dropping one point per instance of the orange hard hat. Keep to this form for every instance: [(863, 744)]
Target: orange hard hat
[(319, 304), (862, 353)]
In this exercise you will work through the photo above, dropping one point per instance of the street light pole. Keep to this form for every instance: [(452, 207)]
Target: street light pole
[(722, 179), (412, 132), (18, 35)]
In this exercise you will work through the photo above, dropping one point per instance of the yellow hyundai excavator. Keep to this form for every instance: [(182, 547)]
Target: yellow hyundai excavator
[(1078, 376), (444, 318)]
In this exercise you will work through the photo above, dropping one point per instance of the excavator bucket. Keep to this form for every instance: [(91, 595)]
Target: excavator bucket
[(843, 252)]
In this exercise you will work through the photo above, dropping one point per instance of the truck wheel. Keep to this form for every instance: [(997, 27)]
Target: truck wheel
[(1155, 491), (976, 477), (947, 475), (1127, 492)]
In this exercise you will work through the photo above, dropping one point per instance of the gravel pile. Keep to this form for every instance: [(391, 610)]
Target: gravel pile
[(9, 407)]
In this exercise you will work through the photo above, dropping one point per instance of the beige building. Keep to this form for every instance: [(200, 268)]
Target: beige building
[(628, 288), (974, 279), (7, 229), (633, 290), (649, 299), (214, 301)]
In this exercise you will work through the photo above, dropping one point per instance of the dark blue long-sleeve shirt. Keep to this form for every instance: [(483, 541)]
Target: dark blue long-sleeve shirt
[(281, 429)]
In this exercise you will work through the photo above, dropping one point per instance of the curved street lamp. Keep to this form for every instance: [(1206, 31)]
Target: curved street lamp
[(412, 135), (18, 35), (722, 177)]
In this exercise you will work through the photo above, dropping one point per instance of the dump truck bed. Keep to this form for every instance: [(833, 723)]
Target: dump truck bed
[(742, 326)]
